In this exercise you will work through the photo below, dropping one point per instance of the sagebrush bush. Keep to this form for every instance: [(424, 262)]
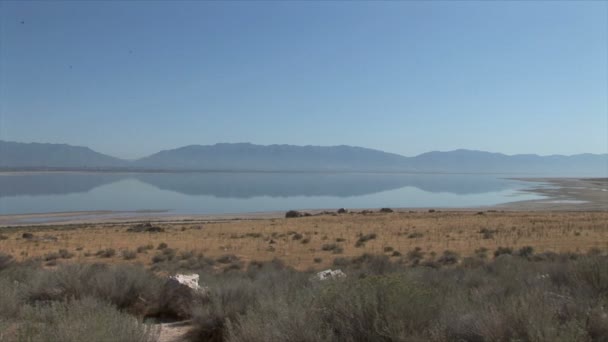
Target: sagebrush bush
[(449, 258), (128, 254), (10, 301), (124, 286), (279, 319), (377, 308), (6, 260), (503, 250), (106, 253), (87, 319)]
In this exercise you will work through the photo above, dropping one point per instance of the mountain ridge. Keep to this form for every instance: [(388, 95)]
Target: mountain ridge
[(245, 156)]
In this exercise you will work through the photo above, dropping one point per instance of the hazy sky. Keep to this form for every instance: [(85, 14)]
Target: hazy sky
[(131, 78)]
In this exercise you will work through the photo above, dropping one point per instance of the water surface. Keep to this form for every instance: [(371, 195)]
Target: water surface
[(215, 193)]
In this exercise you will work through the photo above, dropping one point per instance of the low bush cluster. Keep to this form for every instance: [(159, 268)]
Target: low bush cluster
[(77, 302), (511, 298), (515, 296)]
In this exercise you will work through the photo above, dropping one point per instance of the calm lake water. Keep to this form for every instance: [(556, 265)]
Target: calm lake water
[(211, 193)]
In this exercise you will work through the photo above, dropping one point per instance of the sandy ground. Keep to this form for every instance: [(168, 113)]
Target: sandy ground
[(562, 194)]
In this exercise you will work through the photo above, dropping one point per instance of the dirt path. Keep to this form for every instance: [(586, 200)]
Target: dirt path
[(173, 332)]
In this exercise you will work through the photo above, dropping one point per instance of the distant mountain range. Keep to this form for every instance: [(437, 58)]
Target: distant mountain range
[(250, 157), (36, 155)]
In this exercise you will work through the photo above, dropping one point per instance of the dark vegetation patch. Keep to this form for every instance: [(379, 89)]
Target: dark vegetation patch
[(128, 254), (415, 235), (363, 238), (332, 247), (144, 248), (503, 250), (488, 233), (449, 258), (6, 260), (145, 228), (293, 214), (227, 259), (106, 253)]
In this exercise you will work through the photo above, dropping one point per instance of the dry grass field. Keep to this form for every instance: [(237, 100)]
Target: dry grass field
[(315, 241)]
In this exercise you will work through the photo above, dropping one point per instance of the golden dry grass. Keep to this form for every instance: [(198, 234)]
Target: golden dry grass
[(266, 239)]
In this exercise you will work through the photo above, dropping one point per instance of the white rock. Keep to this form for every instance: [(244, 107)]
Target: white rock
[(190, 280), (330, 274)]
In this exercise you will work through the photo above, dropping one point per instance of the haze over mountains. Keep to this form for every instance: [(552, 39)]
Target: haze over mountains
[(251, 157)]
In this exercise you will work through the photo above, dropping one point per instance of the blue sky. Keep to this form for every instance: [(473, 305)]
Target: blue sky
[(132, 78)]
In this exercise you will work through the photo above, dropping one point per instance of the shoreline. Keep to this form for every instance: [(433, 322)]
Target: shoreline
[(562, 194)]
